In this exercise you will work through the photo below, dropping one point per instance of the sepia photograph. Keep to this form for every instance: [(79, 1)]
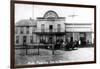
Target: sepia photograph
[(53, 34)]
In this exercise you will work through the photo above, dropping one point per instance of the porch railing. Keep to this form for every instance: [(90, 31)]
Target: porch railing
[(48, 30)]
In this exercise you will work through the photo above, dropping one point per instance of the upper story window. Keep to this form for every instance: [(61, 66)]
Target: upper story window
[(58, 28), (16, 30), (27, 30), (21, 30), (31, 39), (50, 28), (42, 28), (33, 29), (17, 39)]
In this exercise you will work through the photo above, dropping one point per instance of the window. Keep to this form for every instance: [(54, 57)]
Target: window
[(27, 30), (42, 28), (33, 30), (24, 40), (31, 39), (58, 28), (21, 30), (17, 39), (16, 30)]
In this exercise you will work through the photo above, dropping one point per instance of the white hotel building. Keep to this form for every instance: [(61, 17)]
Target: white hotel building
[(51, 26)]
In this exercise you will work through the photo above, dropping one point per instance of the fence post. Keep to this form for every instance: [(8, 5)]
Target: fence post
[(38, 49), (26, 50), (52, 49), (38, 44)]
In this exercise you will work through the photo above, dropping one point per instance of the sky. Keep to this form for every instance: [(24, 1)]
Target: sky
[(83, 15)]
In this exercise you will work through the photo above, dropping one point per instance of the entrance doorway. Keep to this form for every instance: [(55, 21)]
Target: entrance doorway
[(50, 28), (83, 40)]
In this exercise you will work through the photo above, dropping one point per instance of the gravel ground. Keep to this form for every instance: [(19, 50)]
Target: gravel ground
[(45, 56)]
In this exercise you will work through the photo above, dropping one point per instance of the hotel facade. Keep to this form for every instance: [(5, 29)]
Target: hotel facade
[(49, 28)]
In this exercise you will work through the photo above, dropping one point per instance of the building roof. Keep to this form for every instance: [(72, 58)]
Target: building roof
[(78, 23), (51, 14), (26, 22)]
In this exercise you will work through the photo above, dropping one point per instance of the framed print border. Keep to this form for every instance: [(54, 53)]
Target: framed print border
[(12, 19)]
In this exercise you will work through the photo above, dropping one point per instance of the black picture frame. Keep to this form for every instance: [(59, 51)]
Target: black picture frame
[(12, 16)]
